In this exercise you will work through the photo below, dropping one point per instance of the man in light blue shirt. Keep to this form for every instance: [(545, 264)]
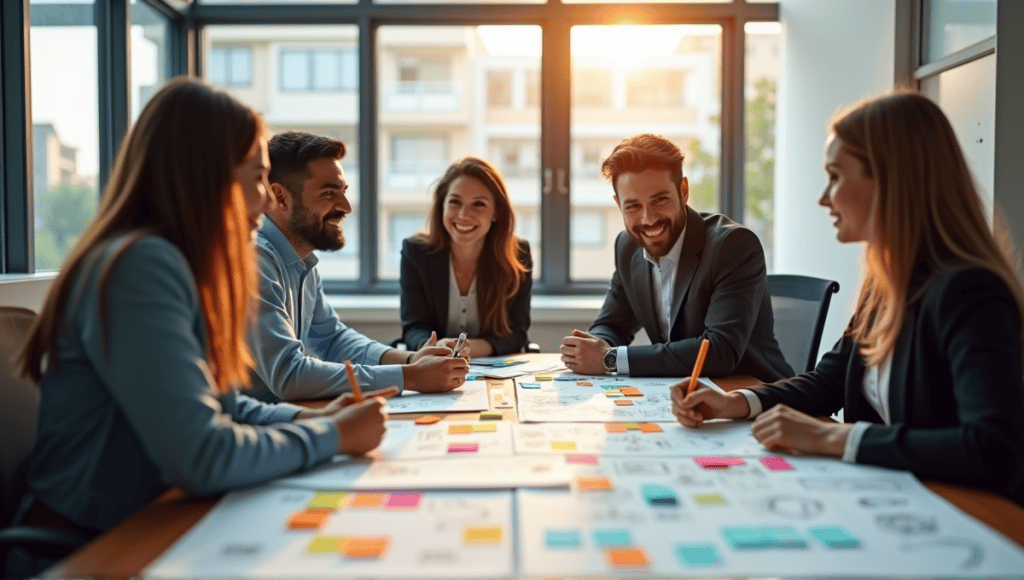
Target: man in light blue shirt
[(298, 342)]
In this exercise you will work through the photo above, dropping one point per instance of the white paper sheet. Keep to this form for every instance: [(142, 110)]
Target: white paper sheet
[(714, 438), (246, 536), (406, 440), (567, 401), (901, 528), (471, 396)]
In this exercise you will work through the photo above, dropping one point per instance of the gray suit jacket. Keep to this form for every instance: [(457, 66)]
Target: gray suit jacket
[(720, 293)]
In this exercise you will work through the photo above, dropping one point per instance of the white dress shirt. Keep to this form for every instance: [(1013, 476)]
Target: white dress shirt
[(463, 315)]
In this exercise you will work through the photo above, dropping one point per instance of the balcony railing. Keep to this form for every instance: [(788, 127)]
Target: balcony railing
[(423, 96)]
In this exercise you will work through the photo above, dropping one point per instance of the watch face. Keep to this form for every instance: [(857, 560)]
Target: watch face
[(609, 360)]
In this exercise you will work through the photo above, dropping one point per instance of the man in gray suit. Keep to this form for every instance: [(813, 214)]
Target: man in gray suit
[(682, 276)]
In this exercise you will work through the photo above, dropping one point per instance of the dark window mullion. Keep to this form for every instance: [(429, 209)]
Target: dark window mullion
[(732, 189), (368, 147), (556, 110), (16, 236), (113, 31)]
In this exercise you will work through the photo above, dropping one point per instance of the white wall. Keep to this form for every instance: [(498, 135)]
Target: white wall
[(833, 54)]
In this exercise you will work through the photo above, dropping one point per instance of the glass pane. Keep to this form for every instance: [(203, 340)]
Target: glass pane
[(65, 131), (448, 92), (762, 68), (459, 2), (956, 24), (149, 52), (277, 2), (626, 80), (276, 59), (646, 1)]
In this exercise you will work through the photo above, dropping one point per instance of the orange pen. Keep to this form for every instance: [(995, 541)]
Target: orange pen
[(704, 345), (358, 392)]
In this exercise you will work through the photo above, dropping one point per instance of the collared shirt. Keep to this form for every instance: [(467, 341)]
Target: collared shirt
[(463, 315), (298, 342), (664, 283)]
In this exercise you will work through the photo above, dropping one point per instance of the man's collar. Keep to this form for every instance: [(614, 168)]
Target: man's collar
[(276, 238), (677, 248)]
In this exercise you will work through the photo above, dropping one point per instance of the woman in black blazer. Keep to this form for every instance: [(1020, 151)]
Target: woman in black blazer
[(468, 272), (929, 371)]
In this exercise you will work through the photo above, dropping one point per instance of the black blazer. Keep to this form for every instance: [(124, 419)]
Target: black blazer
[(720, 293), (424, 280), (956, 392)]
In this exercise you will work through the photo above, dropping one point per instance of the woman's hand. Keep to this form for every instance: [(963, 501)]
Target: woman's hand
[(783, 428), (360, 426), (431, 348), (706, 403), (342, 402)]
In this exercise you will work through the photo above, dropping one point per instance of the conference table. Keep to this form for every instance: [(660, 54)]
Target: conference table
[(127, 549)]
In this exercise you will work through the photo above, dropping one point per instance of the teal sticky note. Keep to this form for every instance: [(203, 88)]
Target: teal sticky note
[(698, 555), (835, 537), (529, 385), (613, 538), (563, 538), (785, 537), (658, 495), (747, 538)]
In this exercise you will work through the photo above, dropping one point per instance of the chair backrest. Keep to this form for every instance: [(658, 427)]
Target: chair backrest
[(19, 407), (800, 305)]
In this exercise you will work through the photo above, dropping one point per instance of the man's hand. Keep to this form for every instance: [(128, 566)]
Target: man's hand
[(705, 403), (584, 353), (783, 428), (450, 344), (342, 402), (360, 426), (436, 374), (431, 348)]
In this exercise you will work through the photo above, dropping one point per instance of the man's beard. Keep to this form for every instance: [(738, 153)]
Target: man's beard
[(315, 231), (658, 250)]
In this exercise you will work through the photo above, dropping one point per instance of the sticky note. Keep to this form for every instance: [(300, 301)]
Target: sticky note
[(613, 537), (709, 499), (747, 538), (366, 501), (777, 464), (651, 428), (631, 558), (580, 459), (326, 545), (632, 426), (529, 385), (308, 520), (563, 445), (427, 420), (785, 537), (612, 394), (365, 547), (403, 501), (474, 377), (491, 416), (461, 429), (564, 378), (631, 392), (623, 403), (593, 484), (698, 555), (463, 447), (615, 427), (718, 462), (542, 378), (658, 495), (834, 537), (584, 384), (563, 538), (490, 535), (327, 500), (485, 428)]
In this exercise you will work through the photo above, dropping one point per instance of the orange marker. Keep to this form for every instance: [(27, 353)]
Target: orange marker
[(698, 365), (358, 392)]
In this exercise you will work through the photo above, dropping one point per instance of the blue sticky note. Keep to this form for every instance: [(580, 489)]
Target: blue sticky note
[(658, 495), (529, 385), (565, 378), (474, 377), (613, 538), (563, 538), (698, 555), (835, 537), (747, 538), (785, 537)]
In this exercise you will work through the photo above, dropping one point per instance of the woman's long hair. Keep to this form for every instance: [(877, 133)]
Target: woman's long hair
[(174, 178), (499, 269), (927, 211)]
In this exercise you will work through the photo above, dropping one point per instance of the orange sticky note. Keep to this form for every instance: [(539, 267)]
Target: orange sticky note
[(427, 420), (633, 558), (651, 428), (365, 547), (491, 535), (308, 520), (460, 429), (584, 384), (631, 392), (615, 427), (624, 403), (594, 484), (366, 501)]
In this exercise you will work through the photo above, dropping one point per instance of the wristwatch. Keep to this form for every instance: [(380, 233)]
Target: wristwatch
[(611, 357)]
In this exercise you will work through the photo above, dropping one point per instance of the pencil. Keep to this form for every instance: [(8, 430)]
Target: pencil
[(704, 344), (353, 382)]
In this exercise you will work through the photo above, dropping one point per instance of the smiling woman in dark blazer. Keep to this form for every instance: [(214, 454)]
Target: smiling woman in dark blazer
[(929, 371), (468, 272)]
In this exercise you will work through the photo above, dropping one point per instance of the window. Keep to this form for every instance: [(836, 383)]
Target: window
[(499, 88), (654, 88), (231, 67), (150, 58), (759, 87), (588, 229), (319, 70)]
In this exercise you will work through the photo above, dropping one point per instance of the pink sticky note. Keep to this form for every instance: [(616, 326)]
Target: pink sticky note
[(777, 463), (403, 501), (581, 459), (718, 462), (463, 447)]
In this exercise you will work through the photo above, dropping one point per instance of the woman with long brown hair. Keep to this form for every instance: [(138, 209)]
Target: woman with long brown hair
[(468, 272), (140, 346), (929, 372)]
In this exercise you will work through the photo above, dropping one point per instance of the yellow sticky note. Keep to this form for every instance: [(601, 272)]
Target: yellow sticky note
[(485, 427), (327, 500), (490, 535), (464, 429), (632, 426), (563, 445), (326, 545)]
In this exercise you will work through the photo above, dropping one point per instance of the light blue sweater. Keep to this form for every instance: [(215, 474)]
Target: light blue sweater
[(115, 429)]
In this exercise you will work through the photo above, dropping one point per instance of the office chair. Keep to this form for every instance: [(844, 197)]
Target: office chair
[(800, 305), (24, 550)]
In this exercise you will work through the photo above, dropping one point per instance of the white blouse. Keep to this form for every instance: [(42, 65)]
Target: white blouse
[(463, 315)]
